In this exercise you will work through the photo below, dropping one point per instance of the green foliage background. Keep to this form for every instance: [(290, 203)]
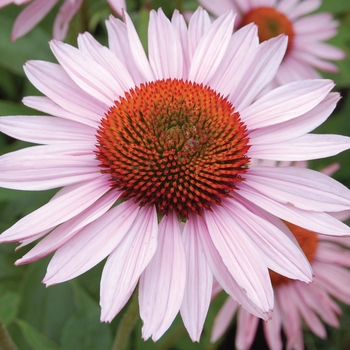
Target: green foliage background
[(66, 316)]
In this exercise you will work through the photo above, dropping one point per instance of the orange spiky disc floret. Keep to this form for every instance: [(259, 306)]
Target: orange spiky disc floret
[(271, 23), (308, 242), (174, 144)]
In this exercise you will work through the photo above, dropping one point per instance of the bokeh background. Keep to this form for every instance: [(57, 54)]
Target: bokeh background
[(66, 316)]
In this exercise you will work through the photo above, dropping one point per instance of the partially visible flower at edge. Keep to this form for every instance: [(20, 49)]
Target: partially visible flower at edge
[(143, 147), (38, 9), (306, 52), (296, 301)]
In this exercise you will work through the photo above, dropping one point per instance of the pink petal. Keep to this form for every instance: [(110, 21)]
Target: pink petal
[(223, 276), (310, 317), (68, 229), (242, 45), (118, 43), (199, 281), (198, 26), (47, 167), (67, 203), (273, 327), (313, 221), (181, 31), (301, 187), (240, 256), (305, 7), (223, 319), (31, 16), (87, 73), (285, 103), (53, 81), (91, 244), (137, 51), (247, 325), (46, 130), (165, 52), (276, 249), (298, 126), (162, 284), (127, 261), (65, 14), (306, 147), (211, 49), (259, 72), (46, 105), (118, 6)]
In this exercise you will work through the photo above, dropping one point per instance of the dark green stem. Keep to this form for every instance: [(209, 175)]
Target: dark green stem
[(6, 342), (126, 325)]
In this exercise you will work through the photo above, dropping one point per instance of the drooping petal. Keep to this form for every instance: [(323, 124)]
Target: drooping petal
[(64, 232), (277, 250), (31, 16), (162, 284), (67, 203), (223, 319), (91, 244), (224, 277), (127, 261), (247, 325), (199, 281), (65, 14), (240, 256)]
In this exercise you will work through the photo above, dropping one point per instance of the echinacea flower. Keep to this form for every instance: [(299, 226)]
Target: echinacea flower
[(152, 156), (38, 9), (296, 301), (307, 51)]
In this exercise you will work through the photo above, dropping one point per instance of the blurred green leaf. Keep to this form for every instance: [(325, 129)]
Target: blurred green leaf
[(14, 54), (83, 331), (9, 303), (36, 339)]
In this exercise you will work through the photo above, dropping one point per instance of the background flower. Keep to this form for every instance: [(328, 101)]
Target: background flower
[(38, 9), (296, 302), (67, 315), (307, 51)]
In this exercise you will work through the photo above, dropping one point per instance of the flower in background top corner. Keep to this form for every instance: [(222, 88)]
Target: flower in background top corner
[(36, 10), (151, 156), (295, 301), (307, 52)]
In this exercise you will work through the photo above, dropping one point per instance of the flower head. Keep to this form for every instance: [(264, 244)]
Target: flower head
[(154, 159), (295, 301), (306, 52), (38, 9)]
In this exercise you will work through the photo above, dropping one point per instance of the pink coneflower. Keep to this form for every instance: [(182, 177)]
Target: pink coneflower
[(296, 301), (306, 51), (153, 155), (38, 9)]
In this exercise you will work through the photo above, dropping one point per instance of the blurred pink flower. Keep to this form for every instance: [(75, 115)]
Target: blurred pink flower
[(38, 9), (152, 156), (296, 301), (307, 52)]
